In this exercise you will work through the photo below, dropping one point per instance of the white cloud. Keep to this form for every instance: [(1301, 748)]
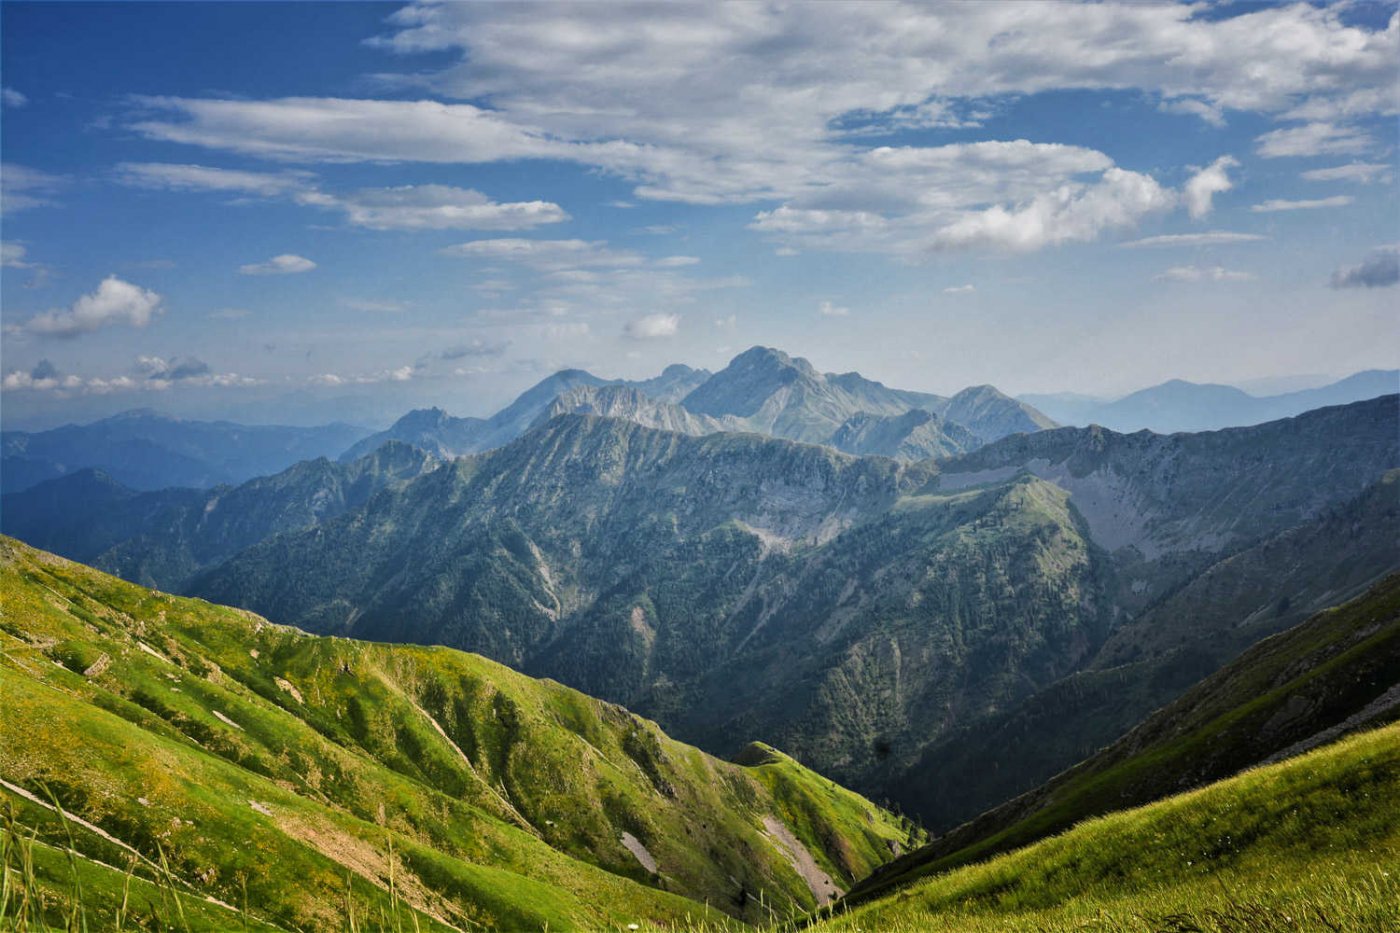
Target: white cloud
[(1313, 139), (374, 307), (1187, 106), (9, 97), (1381, 269), (1202, 188), (285, 264), (827, 309), (167, 176), (653, 326), (1003, 195), (23, 188), (406, 207), (399, 374), (148, 374), (434, 207), (960, 289), (635, 91), (1279, 204), (1201, 274), (1211, 238), (1360, 172), (12, 255), (547, 254), (114, 302)]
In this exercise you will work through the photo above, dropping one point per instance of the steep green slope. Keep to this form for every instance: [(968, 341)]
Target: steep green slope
[(265, 760), (1148, 662), (1336, 672), (1308, 844)]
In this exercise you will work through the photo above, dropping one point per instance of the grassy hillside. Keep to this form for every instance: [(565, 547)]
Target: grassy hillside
[(1309, 844), (1335, 672), (314, 777)]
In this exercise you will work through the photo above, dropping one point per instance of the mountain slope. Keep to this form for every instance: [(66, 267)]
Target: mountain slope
[(274, 765), (1149, 661), (145, 450), (1337, 672), (1306, 844)]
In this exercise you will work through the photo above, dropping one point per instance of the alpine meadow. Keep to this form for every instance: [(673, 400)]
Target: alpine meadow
[(879, 466)]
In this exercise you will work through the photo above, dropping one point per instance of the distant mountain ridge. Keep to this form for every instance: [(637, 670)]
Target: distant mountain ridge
[(145, 450), (1178, 405), (762, 390)]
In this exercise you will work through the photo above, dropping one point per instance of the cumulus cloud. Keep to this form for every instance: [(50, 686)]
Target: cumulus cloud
[(1210, 238), (1202, 187), (1201, 274), (653, 326), (1279, 204), (175, 369), (285, 264), (1378, 270), (114, 302), (1359, 172), (23, 188), (1002, 195), (1313, 139), (148, 374), (827, 309), (9, 97)]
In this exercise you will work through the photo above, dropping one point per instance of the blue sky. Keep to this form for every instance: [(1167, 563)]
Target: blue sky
[(304, 211)]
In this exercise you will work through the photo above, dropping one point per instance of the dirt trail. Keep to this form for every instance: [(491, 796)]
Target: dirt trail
[(634, 845), (820, 883)]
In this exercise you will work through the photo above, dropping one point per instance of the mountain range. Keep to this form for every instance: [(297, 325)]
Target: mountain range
[(879, 620), (1179, 405), (762, 390), (145, 450)]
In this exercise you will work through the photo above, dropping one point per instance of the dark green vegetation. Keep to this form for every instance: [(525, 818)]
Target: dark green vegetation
[(947, 635), (145, 450), (211, 754), (1337, 672), (1310, 844)]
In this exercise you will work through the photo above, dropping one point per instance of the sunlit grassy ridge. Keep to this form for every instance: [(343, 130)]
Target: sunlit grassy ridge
[(316, 778), (1312, 843)]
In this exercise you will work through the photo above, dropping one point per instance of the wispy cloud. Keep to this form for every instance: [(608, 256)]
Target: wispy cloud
[(1202, 274), (285, 264), (1279, 204), (1210, 238)]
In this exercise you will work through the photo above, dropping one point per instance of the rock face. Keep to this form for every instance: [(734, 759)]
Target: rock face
[(762, 390)]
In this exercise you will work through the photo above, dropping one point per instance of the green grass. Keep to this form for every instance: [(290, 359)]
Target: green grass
[(1312, 843), (270, 765)]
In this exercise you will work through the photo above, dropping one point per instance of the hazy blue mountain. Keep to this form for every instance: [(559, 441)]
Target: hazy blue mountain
[(160, 538), (1178, 405), (146, 450)]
